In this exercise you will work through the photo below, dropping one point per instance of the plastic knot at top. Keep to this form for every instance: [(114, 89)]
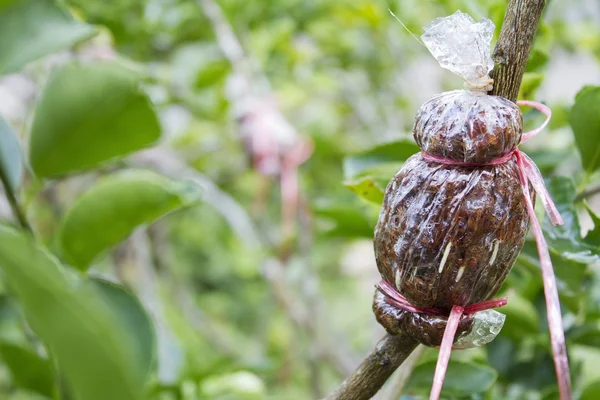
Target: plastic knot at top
[(462, 45)]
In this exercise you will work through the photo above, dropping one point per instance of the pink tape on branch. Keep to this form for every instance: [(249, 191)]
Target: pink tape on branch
[(445, 349)]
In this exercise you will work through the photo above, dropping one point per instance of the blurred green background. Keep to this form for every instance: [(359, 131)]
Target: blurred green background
[(224, 286)]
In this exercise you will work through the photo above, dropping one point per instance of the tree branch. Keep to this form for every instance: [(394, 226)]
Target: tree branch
[(396, 383), (11, 196), (510, 55), (514, 44), (371, 374)]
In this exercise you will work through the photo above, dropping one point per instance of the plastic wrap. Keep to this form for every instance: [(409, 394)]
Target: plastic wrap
[(448, 235), (454, 218)]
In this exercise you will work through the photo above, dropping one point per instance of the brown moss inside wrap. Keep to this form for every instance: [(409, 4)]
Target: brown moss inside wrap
[(449, 235)]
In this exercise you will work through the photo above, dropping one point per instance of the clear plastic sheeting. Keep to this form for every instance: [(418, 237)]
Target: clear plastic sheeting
[(468, 126), (462, 46), (487, 325), (454, 218)]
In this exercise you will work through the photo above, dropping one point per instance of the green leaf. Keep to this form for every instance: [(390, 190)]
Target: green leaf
[(521, 317), (585, 121), (212, 72), (241, 385), (538, 59), (367, 188), (530, 83), (566, 240), (30, 29), (572, 275), (132, 316), (548, 160), (392, 152), (593, 236), (11, 163), (587, 334), (342, 220), (94, 353), (462, 378), (28, 370), (591, 392), (113, 207), (89, 114)]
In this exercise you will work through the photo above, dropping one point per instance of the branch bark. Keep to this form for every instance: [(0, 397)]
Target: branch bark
[(510, 56), (513, 46), (371, 374)]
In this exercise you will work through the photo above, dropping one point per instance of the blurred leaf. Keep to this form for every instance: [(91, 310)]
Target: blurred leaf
[(93, 351), (367, 188), (560, 117), (538, 59), (11, 163), (534, 371), (113, 207), (238, 385), (587, 334), (530, 83), (462, 378), (521, 317), (134, 318), (585, 121), (525, 276), (566, 240), (88, 114), (548, 160), (572, 276), (593, 236), (29, 370), (212, 72), (392, 152), (591, 392), (30, 29), (502, 352), (345, 220)]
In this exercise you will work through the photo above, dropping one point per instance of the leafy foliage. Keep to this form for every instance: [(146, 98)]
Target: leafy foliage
[(30, 29), (238, 303), (481, 378), (585, 121), (29, 370), (93, 113), (59, 310), (121, 202)]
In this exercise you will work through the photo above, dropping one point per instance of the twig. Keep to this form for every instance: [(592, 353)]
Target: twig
[(514, 44), (372, 373), (14, 203), (395, 386), (511, 53)]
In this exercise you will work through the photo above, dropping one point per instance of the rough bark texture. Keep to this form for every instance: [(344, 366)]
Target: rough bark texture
[(390, 352), (514, 44), (510, 55)]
